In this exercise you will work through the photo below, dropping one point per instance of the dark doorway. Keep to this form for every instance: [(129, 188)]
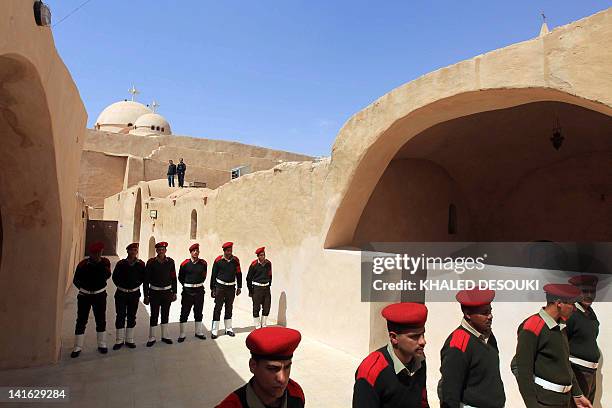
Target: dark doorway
[(105, 231)]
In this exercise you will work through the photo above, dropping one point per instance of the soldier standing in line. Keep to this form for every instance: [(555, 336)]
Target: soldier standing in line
[(192, 274), (90, 279), (541, 364), (127, 276), (271, 349), (160, 289), (395, 375), (470, 357), (226, 274), (259, 280), (582, 331)]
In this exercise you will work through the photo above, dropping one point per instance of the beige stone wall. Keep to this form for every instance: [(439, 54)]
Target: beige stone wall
[(42, 121), (112, 162)]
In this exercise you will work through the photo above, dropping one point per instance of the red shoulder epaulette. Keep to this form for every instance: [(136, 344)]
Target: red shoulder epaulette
[(231, 401), (254, 262), (202, 261), (185, 262), (371, 366), (534, 324), (218, 258), (460, 339), (236, 258), (82, 263), (105, 260), (295, 390), (141, 261)]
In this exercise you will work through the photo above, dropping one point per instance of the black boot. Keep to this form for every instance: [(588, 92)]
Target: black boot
[(180, 339), (75, 354), (117, 346), (167, 341), (201, 336), (130, 345)]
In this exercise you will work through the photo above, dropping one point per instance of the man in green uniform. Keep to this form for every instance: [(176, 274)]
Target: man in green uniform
[(470, 357), (395, 375), (541, 364), (582, 331)]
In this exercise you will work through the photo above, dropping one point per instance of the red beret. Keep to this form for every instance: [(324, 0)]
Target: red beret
[(562, 291), (273, 343), (406, 314), (227, 245), (132, 245), (96, 246), (194, 246), (161, 244), (475, 297), (260, 250), (589, 281)]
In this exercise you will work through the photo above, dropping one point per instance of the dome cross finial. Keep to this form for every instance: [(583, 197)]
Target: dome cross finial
[(134, 92), (155, 105)]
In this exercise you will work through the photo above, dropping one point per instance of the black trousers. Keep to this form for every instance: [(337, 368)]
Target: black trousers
[(126, 306), (160, 299), (587, 379), (85, 303), (181, 179), (261, 300), (224, 296), (192, 297)]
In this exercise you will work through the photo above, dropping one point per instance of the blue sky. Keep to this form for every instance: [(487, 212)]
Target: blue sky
[(285, 74)]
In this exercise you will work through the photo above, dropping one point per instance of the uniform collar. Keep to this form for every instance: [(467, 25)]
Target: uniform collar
[(550, 322), (253, 400), (398, 366), (467, 326), (580, 307)]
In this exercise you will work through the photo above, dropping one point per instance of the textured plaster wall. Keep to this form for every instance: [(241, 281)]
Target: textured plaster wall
[(42, 120)]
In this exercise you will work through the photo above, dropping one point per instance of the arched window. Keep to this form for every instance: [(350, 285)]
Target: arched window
[(152, 127), (130, 124), (194, 224), (158, 128), (452, 219), (162, 129)]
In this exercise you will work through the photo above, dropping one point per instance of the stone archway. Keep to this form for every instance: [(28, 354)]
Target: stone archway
[(31, 218), (414, 155)]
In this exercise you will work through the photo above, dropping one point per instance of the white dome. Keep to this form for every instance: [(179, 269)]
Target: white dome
[(122, 114), (152, 123)]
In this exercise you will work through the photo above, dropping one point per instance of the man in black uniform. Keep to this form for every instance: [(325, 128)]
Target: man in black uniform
[(541, 364), (582, 331), (271, 349), (127, 276), (192, 274), (90, 279), (470, 357), (226, 274), (259, 280), (171, 173), (160, 289), (394, 376), (181, 168)]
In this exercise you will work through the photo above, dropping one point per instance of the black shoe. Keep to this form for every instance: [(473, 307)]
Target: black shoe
[(103, 350), (231, 333), (117, 346), (201, 336), (213, 336), (167, 341), (181, 339), (75, 354), (130, 345), (150, 343)]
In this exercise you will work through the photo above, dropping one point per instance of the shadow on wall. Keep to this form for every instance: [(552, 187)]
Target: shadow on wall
[(282, 309), (151, 247)]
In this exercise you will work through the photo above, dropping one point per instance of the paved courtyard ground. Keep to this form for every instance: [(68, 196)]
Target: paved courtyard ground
[(196, 373)]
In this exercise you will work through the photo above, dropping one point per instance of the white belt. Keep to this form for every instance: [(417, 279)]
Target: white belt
[(160, 287), (547, 385), (583, 363), (226, 283), (92, 292), (462, 405), (128, 290), (261, 284), (193, 285)]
